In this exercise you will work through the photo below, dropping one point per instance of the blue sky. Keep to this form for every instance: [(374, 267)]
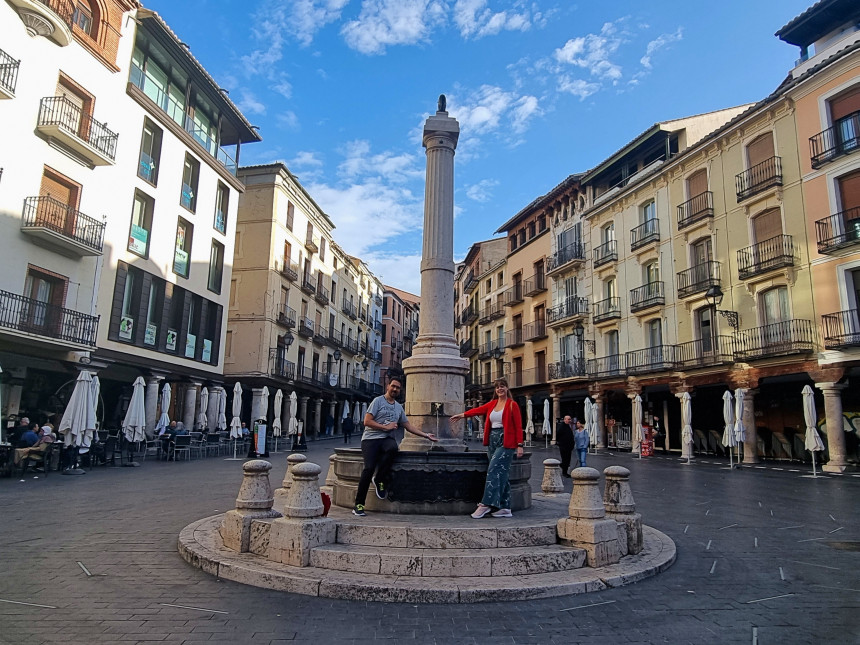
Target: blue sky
[(341, 88)]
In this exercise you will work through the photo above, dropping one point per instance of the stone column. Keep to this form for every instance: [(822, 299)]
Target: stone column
[(212, 410), (599, 400), (587, 527), (556, 413), (435, 373), (619, 506), (319, 426), (253, 502), (338, 419), (281, 493), (257, 409), (331, 410), (834, 421), (635, 446), (552, 481), (189, 408), (750, 432), (150, 401)]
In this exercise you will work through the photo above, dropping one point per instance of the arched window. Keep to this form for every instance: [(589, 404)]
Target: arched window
[(86, 16)]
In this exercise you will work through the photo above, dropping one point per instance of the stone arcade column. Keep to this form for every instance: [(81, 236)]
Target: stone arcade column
[(556, 413), (750, 432), (435, 373), (332, 406), (150, 402), (318, 422), (602, 441), (212, 410), (257, 410), (834, 421), (189, 409)]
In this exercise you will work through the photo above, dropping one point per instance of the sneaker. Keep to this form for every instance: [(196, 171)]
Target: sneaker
[(481, 511), (381, 493), (359, 510), (503, 512)]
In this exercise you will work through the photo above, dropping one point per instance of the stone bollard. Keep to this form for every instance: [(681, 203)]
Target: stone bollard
[(331, 478), (619, 505), (552, 481), (254, 502), (587, 527), (281, 493), (302, 528)]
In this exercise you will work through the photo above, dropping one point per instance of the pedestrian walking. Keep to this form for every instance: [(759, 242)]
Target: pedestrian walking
[(564, 441), (348, 426), (503, 436), (581, 442), (378, 446)]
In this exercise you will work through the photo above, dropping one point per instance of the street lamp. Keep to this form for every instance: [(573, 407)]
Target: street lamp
[(579, 330), (288, 339), (714, 297)]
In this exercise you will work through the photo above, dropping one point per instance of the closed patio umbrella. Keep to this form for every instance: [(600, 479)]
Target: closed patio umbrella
[(687, 423), (79, 418), (590, 426), (277, 412), (96, 387), (812, 441), (222, 410), (729, 418), (740, 433), (530, 424), (636, 437), (547, 426), (292, 423), (134, 424), (595, 424), (204, 406), (236, 422), (164, 421), (345, 414)]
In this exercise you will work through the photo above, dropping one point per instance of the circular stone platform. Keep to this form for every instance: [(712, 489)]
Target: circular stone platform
[(433, 559)]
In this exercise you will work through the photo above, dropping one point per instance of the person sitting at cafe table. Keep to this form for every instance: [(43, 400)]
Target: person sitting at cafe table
[(43, 438), (166, 435)]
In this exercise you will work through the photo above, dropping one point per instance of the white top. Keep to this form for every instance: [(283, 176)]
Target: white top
[(496, 419)]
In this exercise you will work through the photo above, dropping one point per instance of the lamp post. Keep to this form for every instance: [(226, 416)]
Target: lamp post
[(714, 297)]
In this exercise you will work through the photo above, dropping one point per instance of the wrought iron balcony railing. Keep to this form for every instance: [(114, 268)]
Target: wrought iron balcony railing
[(309, 283), (696, 209), (759, 177), (290, 270), (567, 311), (606, 253), (62, 113), (350, 345), (306, 327), (606, 309), (841, 329), (842, 138), (377, 357), (838, 231), (287, 317), (572, 254), (348, 308), (514, 295), (611, 366), (312, 243), (469, 315), (335, 337), (321, 294), (698, 278), (523, 378), (775, 253), (320, 335), (650, 294), (705, 352), (51, 214), (467, 350), (660, 358), (535, 330), (645, 233), (492, 349), (534, 285), (514, 338), (280, 366), (378, 300), (8, 73), (470, 282), (777, 339), (43, 319), (571, 368)]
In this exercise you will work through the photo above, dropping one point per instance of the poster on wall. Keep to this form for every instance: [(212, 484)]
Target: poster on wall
[(190, 345), (150, 334), (126, 328), (207, 350), (180, 262), (171, 340), (138, 239)]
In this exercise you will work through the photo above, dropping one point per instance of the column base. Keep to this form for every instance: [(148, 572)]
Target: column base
[(834, 468)]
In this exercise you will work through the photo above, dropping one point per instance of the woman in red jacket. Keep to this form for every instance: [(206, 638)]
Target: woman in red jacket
[(503, 436)]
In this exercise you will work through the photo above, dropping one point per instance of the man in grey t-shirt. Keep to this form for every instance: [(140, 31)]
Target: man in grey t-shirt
[(378, 447)]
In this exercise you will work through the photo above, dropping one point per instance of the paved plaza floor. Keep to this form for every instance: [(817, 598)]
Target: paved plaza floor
[(765, 555)]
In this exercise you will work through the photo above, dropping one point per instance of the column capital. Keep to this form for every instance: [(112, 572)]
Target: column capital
[(831, 386)]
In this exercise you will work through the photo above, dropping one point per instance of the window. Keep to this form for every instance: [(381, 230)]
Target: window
[(697, 183), (322, 250), (182, 249), (775, 306), (500, 279), (228, 344), (192, 326), (844, 112), (82, 17), (44, 290), (154, 305), (154, 82), (522, 235), (291, 213), (648, 212), (705, 328), (607, 233), (611, 343), (655, 333), (609, 288), (701, 251), (309, 235), (190, 175), (216, 266), (222, 201), (541, 224), (384, 328), (150, 152), (127, 317), (513, 242), (488, 285), (141, 224), (760, 150), (531, 230), (651, 272)]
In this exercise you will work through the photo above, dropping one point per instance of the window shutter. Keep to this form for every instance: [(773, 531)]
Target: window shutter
[(846, 104), (760, 150), (697, 183), (849, 191), (767, 225)]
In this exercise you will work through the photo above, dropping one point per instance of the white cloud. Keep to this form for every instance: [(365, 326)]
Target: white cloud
[(490, 107), (306, 159), (577, 87), (249, 104), (658, 43), (360, 163), (392, 22), (482, 191), (593, 52), (398, 271), (474, 19), (288, 120)]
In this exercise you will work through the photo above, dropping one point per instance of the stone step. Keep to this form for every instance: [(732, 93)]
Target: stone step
[(448, 563)]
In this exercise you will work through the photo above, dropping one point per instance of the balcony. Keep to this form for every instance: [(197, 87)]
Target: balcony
[(467, 349), (838, 231), (335, 338), (572, 255), (376, 357), (606, 309), (321, 295), (408, 334), (777, 339), (309, 284), (571, 368), (287, 317), (350, 345), (62, 120), (8, 75), (696, 209), (534, 285), (306, 327), (377, 325), (469, 315), (842, 329), (705, 352), (698, 278), (290, 270), (280, 366), (470, 282), (378, 300), (775, 253), (535, 331), (32, 316), (611, 366), (645, 234), (67, 230), (514, 295), (572, 309), (312, 244), (647, 296), (152, 96), (524, 378), (606, 253), (759, 178), (514, 338), (51, 18), (349, 309), (320, 336), (660, 358), (493, 349), (842, 138)]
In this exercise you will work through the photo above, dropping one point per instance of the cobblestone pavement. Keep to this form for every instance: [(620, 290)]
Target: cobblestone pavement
[(764, 556)]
